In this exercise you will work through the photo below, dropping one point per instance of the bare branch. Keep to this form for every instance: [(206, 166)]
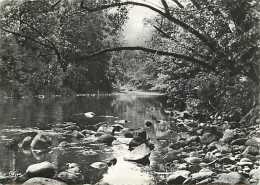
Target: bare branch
[(148, 50), (208, 42), (178, 3), (166, 7)]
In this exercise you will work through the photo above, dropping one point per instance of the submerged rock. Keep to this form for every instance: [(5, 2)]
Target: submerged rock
[(140, 154), (43, 181), (107, 139), (169, 135), (111, 161), (43, 169), (41, 142)]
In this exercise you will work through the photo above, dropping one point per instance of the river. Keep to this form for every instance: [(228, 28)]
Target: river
[(20, 118)]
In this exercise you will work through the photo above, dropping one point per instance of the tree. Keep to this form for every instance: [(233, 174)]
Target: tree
[(208, 40)]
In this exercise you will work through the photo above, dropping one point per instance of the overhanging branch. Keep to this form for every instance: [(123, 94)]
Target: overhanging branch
[(148, 50), (208, 42)]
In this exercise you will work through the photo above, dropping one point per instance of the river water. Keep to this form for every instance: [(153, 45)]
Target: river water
[(22, 118)]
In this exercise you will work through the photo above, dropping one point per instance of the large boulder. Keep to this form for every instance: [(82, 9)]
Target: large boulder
[(178, 177), (140, 132), (107, 139), (208, 138), (41, 142), (140, 154), (43, 181), (231, 178), (43, 169)]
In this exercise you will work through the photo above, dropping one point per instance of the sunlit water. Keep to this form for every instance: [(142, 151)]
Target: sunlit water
[(21, 118)]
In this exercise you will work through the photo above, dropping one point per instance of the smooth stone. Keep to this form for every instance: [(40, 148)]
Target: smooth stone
[(140, 154), (27, 142), (244, 163), (178, 177), (245, 160), (182, 166), (209, 157), (107, 139), (205, 181), (253, 150), (140, 132), (226, 160), (202, 175), (253, 142), (71, 176), (41, 142), (255, 174), (77, 134), (228, 135), (43, 169), (43, 181), (105, 128), (64, 144), (207, 138), (99, 165), (239, 141), (193, 160), (192, 139), (231, 178)]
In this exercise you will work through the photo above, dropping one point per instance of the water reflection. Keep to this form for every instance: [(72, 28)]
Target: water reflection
[(17, 117)]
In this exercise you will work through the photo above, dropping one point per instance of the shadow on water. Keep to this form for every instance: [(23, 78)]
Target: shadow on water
[(21, 118)]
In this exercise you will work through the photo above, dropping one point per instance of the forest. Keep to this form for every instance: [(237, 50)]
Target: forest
[(203, 54)]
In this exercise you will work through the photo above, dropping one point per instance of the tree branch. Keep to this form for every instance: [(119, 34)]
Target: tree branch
[(178, 3), (212, 45), (148, 50), (196, 4), (166, 7)]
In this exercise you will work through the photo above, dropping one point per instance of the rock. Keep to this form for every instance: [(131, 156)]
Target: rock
[(4, 179), (123, 121), (107, 139), (244, 164), (253, 142), (136, 141), (226, 160), (239, 141), (193, 160), (230, 178), (111, 161), (192, 139), (12, 145), (170, 156), (77, 134), (228, 135), (169, 135), (224, 148), (140, 132), (178, 177), (72, 175), (194, 154), (26, 142), (99, 165), (182, 166), (41, 142), (207, 138), (72, 127), (140, 154), (255, 174), (43, 181), (117, 127), (105, 128), (64, 144), (253, 150), (202, 174), (148, 123), (205, 181), (43, 169), (87, 132), (209, 157)]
